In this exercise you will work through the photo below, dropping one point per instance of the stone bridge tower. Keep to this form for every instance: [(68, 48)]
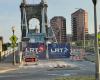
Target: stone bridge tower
[(29, 11)]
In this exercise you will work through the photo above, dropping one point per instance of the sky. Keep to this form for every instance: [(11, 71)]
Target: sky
[(10, 14)]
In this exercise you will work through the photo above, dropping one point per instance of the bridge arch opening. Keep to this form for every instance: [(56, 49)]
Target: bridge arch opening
[(34, 23), (33, 1)]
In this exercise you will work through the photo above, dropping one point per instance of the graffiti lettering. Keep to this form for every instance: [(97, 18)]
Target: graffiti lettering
[(59, 50)]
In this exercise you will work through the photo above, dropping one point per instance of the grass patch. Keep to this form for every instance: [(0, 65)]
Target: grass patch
[(64, 68), (77, 78)]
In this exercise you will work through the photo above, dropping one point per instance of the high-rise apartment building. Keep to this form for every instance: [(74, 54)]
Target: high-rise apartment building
[(58, 24), (79, 21)]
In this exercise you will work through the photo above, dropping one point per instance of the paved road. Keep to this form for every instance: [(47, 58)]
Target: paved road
[(35, 72)]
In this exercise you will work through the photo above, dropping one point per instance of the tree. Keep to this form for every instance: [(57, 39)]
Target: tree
[(4, 47)]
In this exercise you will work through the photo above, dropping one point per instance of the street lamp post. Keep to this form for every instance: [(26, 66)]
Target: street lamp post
[(96, 42), (14, 60)]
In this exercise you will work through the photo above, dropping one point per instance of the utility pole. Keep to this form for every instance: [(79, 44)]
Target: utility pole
[(96, 42)]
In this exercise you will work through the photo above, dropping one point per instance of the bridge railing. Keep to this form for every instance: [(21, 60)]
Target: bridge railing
[(6, 53)]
